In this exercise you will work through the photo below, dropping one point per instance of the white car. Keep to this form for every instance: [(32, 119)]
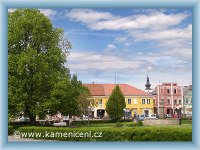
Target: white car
[(168, 115), (85, 118), (152, 116)]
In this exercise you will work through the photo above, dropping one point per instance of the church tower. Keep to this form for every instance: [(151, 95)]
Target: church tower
[(147, 85)]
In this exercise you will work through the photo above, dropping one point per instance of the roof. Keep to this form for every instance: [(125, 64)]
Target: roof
[(96, 89), (185, 89), (154, 92), (125, 88)]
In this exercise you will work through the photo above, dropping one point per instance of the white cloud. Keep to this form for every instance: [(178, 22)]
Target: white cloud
[(110, 47), (49, 12), (171, 34), (119, 40), (87, 62), (96, 20), (126, 49), (12, 10), (127, 44)]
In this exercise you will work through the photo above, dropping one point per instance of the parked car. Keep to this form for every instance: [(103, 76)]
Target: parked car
[(140, 117), (152, 116), (105, 117), (188, 115), (175, 116), (24, 119), (85, 118), (168, 115), (56, 119)]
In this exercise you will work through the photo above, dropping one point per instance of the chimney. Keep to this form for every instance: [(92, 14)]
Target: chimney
[(92, 82)]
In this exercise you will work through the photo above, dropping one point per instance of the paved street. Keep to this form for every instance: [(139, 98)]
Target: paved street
[(13, 139)]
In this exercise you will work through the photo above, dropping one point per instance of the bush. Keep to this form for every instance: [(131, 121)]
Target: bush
[(110, 134), (84, 122), (186, 118), (140, 123), (131, 124), (38, 123), (10, 129), (119, 124)]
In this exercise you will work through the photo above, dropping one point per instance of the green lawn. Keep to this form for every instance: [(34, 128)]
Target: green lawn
[(185, 125)]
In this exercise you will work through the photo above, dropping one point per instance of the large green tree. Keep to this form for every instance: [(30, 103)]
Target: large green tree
[(116, 104), (38, 81)]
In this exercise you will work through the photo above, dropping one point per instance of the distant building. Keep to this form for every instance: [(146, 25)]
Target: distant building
[(137, 101), (148, 85), (172, 94), (187, 97)]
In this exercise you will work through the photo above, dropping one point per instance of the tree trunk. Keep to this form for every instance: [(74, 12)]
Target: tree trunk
[(88, 121), (32, 119)]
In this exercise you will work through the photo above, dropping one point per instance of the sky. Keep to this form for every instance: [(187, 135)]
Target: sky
[(123, 46)]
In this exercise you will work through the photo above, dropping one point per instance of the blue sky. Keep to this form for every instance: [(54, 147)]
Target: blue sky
[(129, 43)]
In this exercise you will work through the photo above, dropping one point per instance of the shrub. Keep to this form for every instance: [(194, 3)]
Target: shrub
[(119, 124), (38, 123), (10, 129), (111, 134), (140, 123), (98, 121)]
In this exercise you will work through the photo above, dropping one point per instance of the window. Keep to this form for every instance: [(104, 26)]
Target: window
[(186, 100), (168, 90), (148, 101), (168, 101), (100, 101), (143, 101), (179, 101), (125, 100), (135, 100), (174, 91), (175, 101), (154, 101), (92, 102), (129, 100)]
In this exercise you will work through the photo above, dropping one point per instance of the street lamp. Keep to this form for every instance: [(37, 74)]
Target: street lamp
[(180, 113), (124, 114)]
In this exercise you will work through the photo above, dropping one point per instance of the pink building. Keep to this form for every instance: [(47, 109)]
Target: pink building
[(172, 95)]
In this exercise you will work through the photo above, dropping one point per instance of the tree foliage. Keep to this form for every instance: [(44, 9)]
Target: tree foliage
[(38, 81), (116, 104), (81, 96)]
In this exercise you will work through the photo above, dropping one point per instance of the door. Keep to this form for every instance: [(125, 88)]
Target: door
[(146, 113)]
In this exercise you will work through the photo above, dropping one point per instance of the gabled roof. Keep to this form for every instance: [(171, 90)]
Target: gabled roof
[(96, 89), (125, 88), (186, 89), (154, 92)]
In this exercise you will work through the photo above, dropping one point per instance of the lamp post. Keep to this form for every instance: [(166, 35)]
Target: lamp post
[(180, 113), (124, 114)]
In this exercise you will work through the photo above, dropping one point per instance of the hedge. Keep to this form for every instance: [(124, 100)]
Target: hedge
[(38, 123), (186, 118), (10, 129), (98, 121), (109, 134)]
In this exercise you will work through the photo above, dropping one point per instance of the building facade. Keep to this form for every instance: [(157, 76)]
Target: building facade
[(187, 99), (172, 94), (137, 101)]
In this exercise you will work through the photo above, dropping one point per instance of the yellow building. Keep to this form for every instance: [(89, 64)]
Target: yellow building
[(137, 101)]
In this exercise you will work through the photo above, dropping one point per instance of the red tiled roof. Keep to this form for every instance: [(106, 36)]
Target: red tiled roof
[(96, 89), (190, 87), (125, 88)]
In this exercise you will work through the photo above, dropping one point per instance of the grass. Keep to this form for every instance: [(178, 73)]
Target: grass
[(185, 125)]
